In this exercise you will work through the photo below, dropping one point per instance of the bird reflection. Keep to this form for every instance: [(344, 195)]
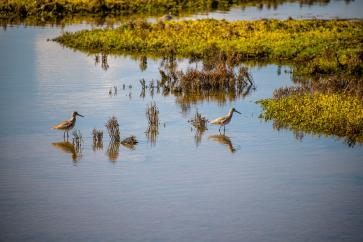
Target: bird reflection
[(223, 139), (69, 148)]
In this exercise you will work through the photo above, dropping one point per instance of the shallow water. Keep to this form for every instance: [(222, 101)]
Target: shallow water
[(273, 187)]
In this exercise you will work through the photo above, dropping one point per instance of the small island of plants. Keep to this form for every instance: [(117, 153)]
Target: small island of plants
[(312, 46)]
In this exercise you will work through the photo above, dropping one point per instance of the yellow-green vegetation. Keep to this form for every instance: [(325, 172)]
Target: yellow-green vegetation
[(314, 46), (61, 8), (321, 114)]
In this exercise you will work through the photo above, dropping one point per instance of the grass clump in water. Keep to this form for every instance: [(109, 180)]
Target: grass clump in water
[(152, 114), (130, 142), (199, 122), (97, 139), (318, 113), (313, 46), (218, 79), (113, 129)]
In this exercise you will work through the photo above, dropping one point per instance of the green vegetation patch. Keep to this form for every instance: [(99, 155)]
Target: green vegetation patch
[(314, 46), (327, 114)]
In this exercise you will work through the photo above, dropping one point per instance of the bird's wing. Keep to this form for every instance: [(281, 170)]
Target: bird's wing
[(63, 125), (219, 120)]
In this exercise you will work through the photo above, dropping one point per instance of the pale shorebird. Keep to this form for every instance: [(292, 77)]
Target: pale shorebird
[(223, 121), (67, 125), (166, 17)]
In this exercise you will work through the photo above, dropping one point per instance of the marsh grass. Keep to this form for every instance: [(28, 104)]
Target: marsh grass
[(347, 85), (130, 142), (60, 9), (97, 139), (77, 138), (198, 121), (317, 113), (112, 126), (77, 141), (312, 46), (216, 80), (328, 84), (152, 114)]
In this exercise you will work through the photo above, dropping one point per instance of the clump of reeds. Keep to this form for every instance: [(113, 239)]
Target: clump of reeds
[(288, 91), (152, 114), (143, 63), (97, 139), (113, 129), (215, 77), (104, 62), (77, 140), (199, 122), (129, 142), (348, 85)]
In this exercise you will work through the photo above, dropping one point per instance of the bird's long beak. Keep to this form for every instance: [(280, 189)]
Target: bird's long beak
[(80, 115), (237, 112)]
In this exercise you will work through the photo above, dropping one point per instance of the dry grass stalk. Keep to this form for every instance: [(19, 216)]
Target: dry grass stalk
[(113, 129), (97, 139), (152, 114), (199, 122), (77, 142)]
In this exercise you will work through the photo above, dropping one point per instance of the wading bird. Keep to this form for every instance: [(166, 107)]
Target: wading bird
[(223, 121), (67, 124), (167, 17)]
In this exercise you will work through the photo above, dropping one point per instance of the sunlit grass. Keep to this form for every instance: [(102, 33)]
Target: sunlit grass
[(321, 114)]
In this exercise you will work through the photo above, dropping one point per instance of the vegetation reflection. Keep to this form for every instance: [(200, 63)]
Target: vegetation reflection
[(61, 12)]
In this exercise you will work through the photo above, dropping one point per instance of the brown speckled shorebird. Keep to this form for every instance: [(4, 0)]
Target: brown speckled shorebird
[(67, 125), (223, 121)]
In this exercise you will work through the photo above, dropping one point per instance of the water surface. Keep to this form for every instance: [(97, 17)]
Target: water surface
[(335, 9), (272, 187)]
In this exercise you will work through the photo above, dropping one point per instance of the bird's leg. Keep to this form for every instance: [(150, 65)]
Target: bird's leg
[(64, 135), (224, 129), (67, 135), (219, 130)]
